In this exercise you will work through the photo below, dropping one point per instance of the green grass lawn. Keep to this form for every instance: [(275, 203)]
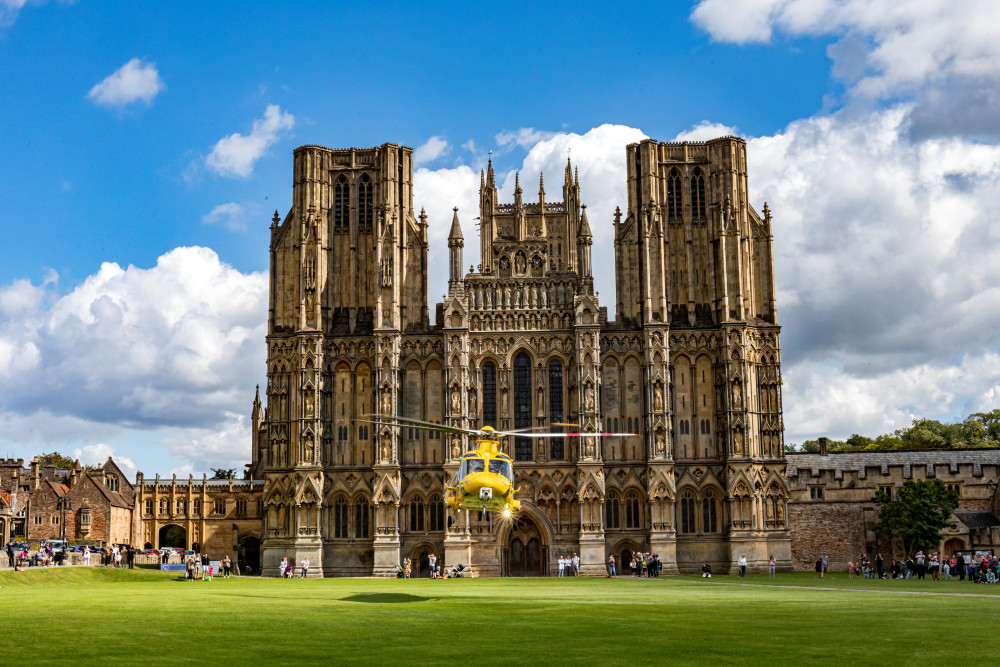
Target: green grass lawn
[(85, 616)]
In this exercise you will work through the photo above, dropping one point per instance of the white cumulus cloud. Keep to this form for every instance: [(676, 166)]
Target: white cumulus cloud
[(231, 215), (134, 350), (132, 82), (235, 156), (431, 150), (706, 130)]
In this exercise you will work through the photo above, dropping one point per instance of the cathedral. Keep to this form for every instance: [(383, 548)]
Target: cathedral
[(691, 364)]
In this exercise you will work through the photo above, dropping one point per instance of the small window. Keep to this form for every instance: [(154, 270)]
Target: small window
[(241, 506), (816, 493), (887, 490), (85, 516), (220, 506), (197, 508), (149, 506), (38, 520), (55, 520)]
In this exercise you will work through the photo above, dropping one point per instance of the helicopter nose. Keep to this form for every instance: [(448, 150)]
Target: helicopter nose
[(485, 493)]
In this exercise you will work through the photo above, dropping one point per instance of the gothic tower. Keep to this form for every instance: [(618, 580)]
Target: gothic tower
[(695, 273), (348, 276)]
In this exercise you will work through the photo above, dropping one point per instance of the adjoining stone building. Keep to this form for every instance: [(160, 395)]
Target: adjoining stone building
[(831, 506), (691, 363), (217, 517), (44, 502)]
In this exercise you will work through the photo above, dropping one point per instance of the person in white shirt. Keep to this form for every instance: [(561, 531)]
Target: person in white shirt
[(562, 566), (86, 556), (743, 565), (431, 565)]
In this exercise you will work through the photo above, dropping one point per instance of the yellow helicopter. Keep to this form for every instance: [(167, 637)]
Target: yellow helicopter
[(485, 479)]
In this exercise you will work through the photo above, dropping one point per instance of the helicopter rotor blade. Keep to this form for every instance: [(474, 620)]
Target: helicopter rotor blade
[(568, 435), (417, 424)]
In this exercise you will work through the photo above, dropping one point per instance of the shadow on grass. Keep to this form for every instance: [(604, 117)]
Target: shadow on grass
[(386, 598)]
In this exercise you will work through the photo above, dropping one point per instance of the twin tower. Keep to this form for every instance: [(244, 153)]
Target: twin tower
[(691, 364)]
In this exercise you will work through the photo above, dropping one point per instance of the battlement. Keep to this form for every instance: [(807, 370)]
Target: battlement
[(11, 463)]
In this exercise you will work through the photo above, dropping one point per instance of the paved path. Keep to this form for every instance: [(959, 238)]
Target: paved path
[(831, 588)]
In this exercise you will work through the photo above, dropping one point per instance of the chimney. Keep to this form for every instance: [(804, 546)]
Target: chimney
[(822, 446)]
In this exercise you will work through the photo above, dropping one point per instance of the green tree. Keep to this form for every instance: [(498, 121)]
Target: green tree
[(917, 514), (223, 473), (56, 459)]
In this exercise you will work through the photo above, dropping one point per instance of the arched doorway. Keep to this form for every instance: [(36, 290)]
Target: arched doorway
[(625, 562), (525, 554), (424, 565), (173, 536), (248, 557), (952, 545)]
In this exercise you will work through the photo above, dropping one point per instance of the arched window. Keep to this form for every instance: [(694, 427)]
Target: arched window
[(674, 195), (341, 197), (708, 506), (361, 512), (557, 451), (698, 195), (111, 481), (614, 516), (366, 212), (490, 394), (417, 515), (437, 513), (340, 518), (522, 405), (687, 513), (632, 517)]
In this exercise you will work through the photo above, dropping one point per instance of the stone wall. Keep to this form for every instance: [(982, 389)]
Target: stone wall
[(831, 504), (836, 528)]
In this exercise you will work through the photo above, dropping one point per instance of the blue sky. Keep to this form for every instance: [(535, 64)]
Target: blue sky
[(146, 147)]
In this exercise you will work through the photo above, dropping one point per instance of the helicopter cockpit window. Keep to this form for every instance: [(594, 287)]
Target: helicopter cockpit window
[(470, 466), (500, 467)]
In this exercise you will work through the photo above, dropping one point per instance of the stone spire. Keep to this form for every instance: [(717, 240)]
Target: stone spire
[(584, 240), (455, 243)]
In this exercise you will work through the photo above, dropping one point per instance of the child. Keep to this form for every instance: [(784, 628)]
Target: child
[(706, 571), (208, 575)]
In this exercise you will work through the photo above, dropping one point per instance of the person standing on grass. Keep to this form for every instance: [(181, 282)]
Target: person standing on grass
[(826, 565), (305, 568), (197, 566), (742, 562), (611, 566), (86, 556), (920, 562), (960, 566), (432, 565), (576, 565), (10, 553), (935, 566), (819, 567), (880, 566), (771, 565)]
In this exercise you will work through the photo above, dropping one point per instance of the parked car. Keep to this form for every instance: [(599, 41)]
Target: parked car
[(56, 544), (150, 552)]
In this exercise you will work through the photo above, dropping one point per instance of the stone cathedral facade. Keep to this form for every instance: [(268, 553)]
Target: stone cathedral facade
[(691, 364)]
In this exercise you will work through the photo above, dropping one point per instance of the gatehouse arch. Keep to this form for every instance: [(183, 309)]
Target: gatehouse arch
[(173, 536)]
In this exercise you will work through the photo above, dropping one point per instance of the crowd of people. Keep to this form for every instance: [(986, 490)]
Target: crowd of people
[(199, 567), (977, 569), (114, 555)]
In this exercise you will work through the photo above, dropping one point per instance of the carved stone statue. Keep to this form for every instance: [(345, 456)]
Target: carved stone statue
[(472, 403), (456, 401), (658, 397), (386, 401), (506, 296), (588, 398), (386, 446), (738, 439), (660, 444), (456, 448), (737, 396)]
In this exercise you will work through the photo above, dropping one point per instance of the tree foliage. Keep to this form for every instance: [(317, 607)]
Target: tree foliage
[(978, 430), (223, 473), (917, 514), (56, 459)]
